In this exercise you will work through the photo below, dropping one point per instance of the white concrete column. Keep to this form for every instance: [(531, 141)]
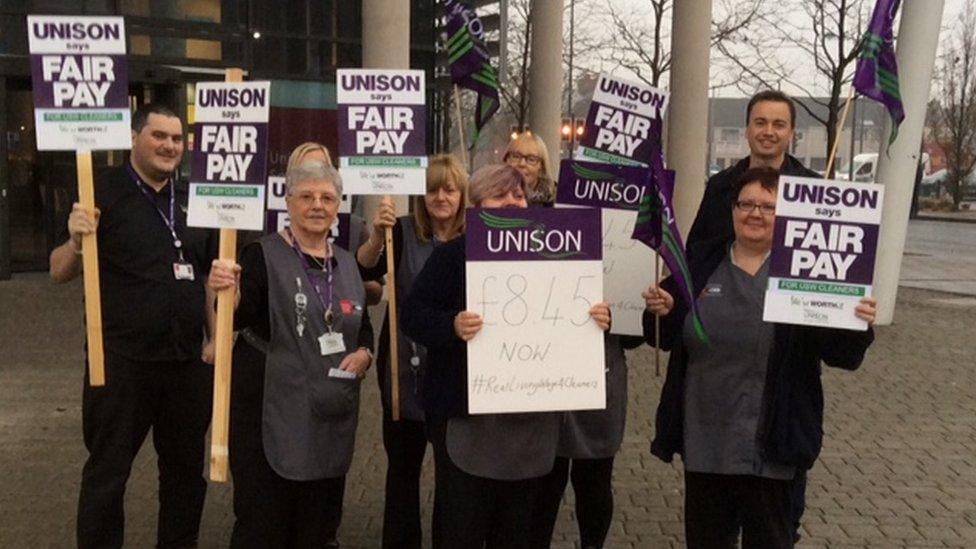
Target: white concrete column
[(546, 75), (687, 128), (386, 45), (918, 40)]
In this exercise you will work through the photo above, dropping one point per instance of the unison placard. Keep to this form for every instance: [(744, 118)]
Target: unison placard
[(628, 268), (382, 131), (229, 164), (824, 246), (80, 81), (533, 275), (618, 126)]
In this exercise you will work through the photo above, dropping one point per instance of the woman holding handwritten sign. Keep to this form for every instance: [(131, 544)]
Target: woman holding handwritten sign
[(743, 405), (304, 346), (488, 468), (438, 217)]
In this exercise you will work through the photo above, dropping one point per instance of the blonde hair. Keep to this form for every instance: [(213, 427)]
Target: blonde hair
[(545, 187), (309, 146), (529, 137), (443, 170)]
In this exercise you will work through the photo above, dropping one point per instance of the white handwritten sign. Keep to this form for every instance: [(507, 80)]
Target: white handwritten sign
[(628, 267), (532, 275)]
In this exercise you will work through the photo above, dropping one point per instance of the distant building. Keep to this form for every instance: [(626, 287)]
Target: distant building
[(728, 143)]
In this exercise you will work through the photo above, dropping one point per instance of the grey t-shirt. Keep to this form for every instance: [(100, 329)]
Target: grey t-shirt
[(726, 378)]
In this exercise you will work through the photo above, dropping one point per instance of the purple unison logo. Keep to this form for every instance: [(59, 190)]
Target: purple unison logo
[(76, 30), (380, 82), (232, 97), (534, 234), (631, 92), (830, 195), (602, 185)]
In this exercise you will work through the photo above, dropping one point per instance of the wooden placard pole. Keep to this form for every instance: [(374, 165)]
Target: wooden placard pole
[(223, 348), (657, 318), (93, 293), (460, 123), (839, 133), (391, 314)]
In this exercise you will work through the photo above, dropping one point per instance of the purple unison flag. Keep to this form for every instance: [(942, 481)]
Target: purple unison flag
[(657, 228), (469, 61), (877, 69)]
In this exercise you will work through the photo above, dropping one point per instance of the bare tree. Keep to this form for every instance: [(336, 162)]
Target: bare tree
[(822, 36), (955, 127), (515, 83), (639, 39)]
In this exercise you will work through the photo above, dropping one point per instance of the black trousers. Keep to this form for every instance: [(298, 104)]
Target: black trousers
[(405, 442), (269, 510), (473, 512), (799, 501), (719, 507), (173, 399), (591, 480)]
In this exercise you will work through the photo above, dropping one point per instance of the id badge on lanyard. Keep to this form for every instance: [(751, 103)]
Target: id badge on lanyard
[(182, 269)]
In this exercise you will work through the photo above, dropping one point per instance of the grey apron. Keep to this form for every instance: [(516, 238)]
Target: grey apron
[(309, 418), (593, 434), (413, 357), (504, 446)]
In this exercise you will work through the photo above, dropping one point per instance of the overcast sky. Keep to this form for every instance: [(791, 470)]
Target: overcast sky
[(953, 9)]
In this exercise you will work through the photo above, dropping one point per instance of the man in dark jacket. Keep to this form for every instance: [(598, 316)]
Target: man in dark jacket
[(770, 124)]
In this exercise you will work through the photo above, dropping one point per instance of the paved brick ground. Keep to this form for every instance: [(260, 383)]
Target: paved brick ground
[(898, 468)]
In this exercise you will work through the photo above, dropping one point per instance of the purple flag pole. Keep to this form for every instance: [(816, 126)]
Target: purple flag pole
[(877, 68)]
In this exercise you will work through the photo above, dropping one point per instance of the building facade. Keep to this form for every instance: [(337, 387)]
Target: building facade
[(172, 45)]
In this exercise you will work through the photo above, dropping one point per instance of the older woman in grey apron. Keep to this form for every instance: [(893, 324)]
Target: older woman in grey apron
[(487, 467), (438, 217), (304, 346)]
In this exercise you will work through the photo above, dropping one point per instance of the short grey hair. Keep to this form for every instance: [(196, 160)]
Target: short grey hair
[(313, 170), (494, 180)]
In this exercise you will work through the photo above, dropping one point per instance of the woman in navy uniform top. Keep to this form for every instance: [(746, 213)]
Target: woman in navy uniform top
[(488, 468), (744, 409)]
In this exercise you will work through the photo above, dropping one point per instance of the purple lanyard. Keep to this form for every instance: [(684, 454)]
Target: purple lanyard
[(169, 221), (316, 280)]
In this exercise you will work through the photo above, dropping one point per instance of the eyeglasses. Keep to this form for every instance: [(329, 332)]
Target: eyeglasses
[(747, 206), (309, 199), (530, 159)]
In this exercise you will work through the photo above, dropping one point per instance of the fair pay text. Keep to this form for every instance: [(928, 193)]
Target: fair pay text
[(381, 130), (619, 131), (229, 149), (822, 253), (79, 81)]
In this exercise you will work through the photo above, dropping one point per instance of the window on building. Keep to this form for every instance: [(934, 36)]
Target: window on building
[(730, 135)]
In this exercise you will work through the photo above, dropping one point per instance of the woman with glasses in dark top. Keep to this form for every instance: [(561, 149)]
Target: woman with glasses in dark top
[(744, 409), (527, 153)]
